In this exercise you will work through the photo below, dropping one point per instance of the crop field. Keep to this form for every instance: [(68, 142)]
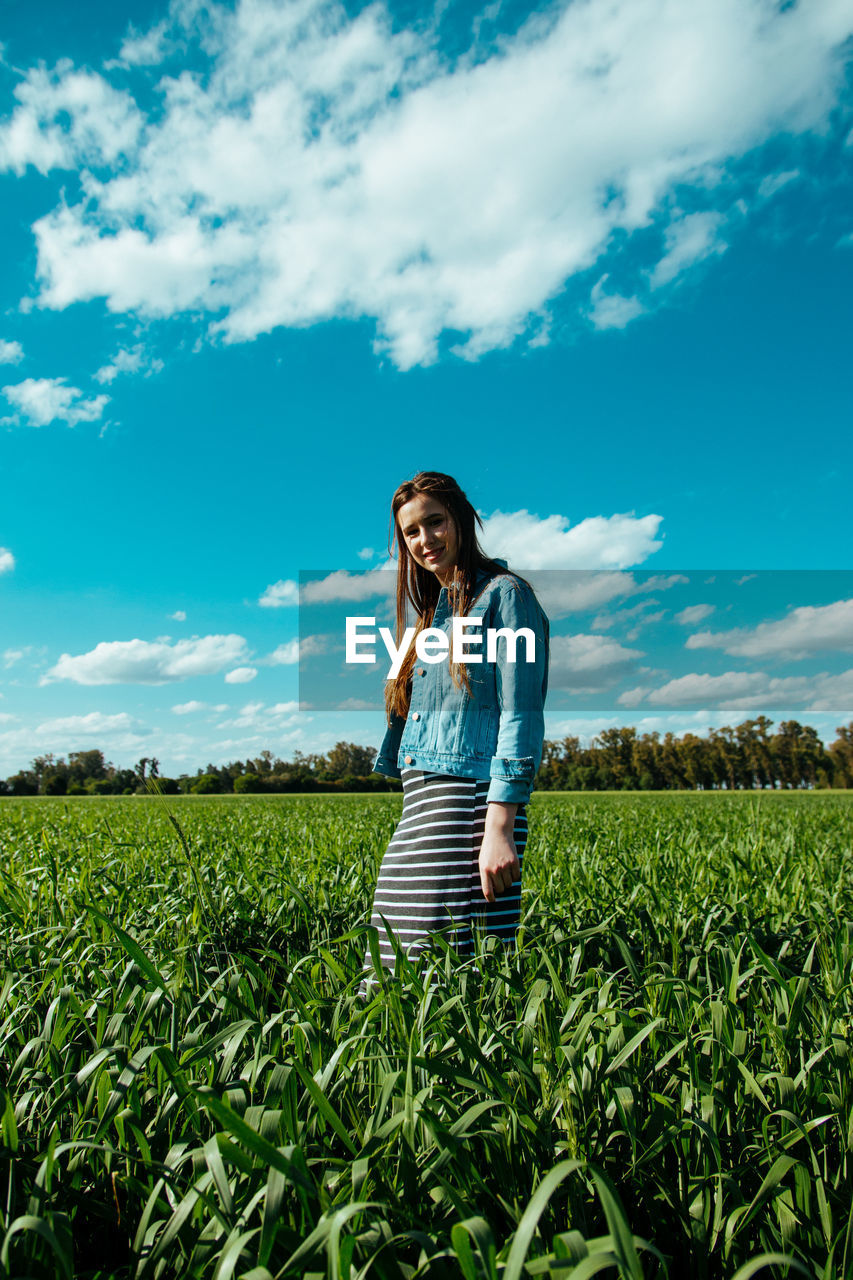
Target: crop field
[(658, 1083)]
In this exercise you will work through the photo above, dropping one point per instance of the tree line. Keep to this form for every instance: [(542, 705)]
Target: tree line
[(747, 756), (346, 767)]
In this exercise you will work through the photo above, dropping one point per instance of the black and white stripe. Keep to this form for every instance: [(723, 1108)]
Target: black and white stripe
[(429, 880)]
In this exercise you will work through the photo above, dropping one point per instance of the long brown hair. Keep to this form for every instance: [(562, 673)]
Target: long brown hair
[(420, 587)]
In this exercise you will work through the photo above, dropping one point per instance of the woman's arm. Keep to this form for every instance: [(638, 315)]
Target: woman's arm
[(498, 859), (520, 688)]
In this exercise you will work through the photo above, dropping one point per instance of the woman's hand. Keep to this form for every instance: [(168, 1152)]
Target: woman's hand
[(499, 865)]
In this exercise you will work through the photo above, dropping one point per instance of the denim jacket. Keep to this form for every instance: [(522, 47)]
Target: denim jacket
[(496, 731)]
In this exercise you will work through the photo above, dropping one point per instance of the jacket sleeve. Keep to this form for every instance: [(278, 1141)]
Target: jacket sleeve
[(386, 760), (521, 687)]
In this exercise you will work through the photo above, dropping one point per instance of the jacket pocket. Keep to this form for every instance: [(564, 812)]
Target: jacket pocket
[(484, 739)]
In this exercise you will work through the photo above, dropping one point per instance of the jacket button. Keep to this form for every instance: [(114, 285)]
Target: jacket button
[(422, 671), (408, 759), (416, 715)]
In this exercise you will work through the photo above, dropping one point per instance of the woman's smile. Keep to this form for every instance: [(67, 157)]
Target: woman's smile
[(430, 535)]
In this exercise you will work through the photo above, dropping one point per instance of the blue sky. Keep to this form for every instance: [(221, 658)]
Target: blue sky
[(263, 261)]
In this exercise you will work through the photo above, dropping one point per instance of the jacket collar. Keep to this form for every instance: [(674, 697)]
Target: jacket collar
[(483, 577)]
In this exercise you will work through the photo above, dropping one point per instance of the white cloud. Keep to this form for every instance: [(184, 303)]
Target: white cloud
[(144, 49), (116, 734), (66, 118), (689, 240), (612, 310), (577, 590), (433, 197), (284, 655), (563, 592), (292, 651), (806, 630), (7, 560), (179, 615), (366, 553), (241, 675), (45, 400), (11, 352), (123, 361), (750, 691), (92, 725), (279, 594), (587, 727), (259, 716), (190, 708), (832, 694), (589, 663), (775, 182), (618, 617), (147, 662), (341, 585), (598, 542), (693, 613), (646, 620), (633, 697), (128, 360)]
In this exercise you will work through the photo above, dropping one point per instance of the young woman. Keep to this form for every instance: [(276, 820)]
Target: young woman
[(464, 736)]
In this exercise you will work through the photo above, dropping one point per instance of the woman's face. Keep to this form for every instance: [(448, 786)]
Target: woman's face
[(430, 534)]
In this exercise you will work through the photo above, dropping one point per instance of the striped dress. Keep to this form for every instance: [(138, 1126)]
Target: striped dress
[(429, 879)]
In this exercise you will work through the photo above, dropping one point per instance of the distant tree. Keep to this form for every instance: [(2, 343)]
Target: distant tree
[(43, 765), (248, 782), (100, 786), (646, 762), (264, 764), (166, 786), (208, 784), (672, 769), (756, 752), (841, 757), (798, 752), (24, 783), (83, 765), (347, 759), (696, 762), (52, 775), (615, 752), (557, 760)]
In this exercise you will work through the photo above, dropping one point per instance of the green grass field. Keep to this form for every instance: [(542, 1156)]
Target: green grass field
[(658, 1084)]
